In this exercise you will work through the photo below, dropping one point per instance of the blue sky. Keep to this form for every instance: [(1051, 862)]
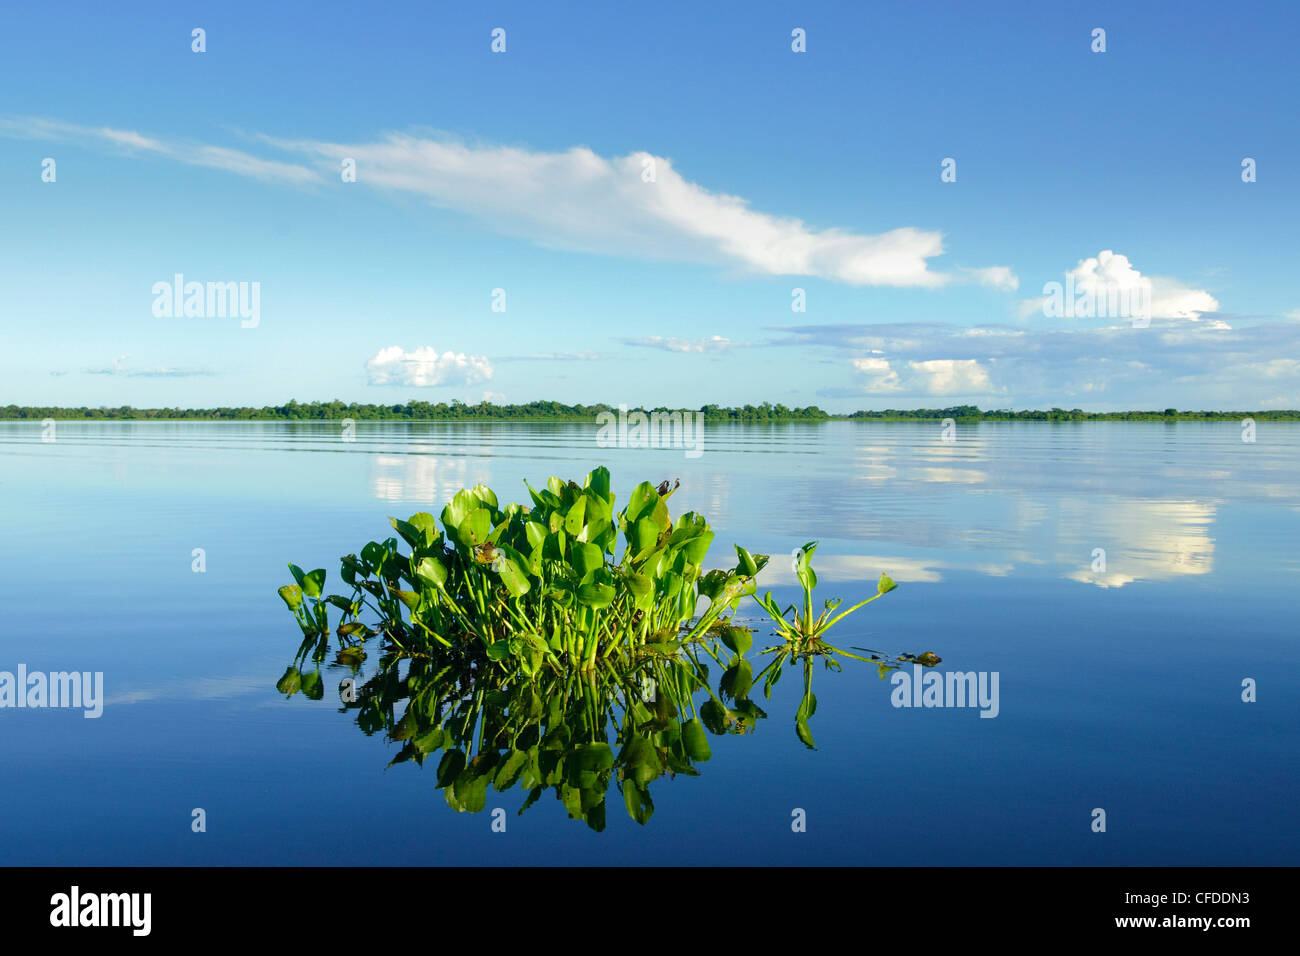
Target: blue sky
[(525, 171)]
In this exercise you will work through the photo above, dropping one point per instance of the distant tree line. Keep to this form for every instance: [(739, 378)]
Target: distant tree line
[(974, 413), (556, 411)]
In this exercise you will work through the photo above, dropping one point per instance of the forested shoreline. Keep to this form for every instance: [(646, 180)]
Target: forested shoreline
[(557, 411)]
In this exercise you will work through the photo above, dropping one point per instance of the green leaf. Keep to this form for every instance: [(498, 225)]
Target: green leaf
[(430, 742), (747, 567), (642, 762), (695, 741), (510, 770), (739, 639), (574, 519), (514, 571), (714, 716), (475, 528), (803, 566), (643, 498), (596, 595), (696, 548), (349, 568), (637, 800), (642, 589), (714, 583), (373, 554), (458, 509), (291, 594), (644, 534), (430, 572), (351, 656), (290, 682), (313, 583), (469, 792), (499, 650), (485, 494), (801, 728), (593, 757), (452, 763), (553, 546), (313, 688), (807, 705), (428, 527), (410, 598), (587, 558), (886, 584), (737, 680), (535, 532), (598, 481)]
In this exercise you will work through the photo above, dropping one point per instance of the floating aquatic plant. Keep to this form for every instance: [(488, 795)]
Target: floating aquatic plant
[(529, 633), (534, 588), (804, 635)]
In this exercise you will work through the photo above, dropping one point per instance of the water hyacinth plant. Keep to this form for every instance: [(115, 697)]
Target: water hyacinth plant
[(527, 634), (804, 637), (538, 587)]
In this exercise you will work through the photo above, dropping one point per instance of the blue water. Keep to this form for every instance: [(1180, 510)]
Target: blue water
[(1119, 689)]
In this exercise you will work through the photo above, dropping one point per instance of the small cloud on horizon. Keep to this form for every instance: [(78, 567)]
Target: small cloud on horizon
[(426, 368)]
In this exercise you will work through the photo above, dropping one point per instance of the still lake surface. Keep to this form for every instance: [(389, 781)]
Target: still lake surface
[(1119, 689)]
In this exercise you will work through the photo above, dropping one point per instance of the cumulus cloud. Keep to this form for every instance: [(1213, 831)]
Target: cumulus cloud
[(876, 375), (1109, 286), (928, 377), (1193, 365), (633, 205), (952, 376), (425, 367)]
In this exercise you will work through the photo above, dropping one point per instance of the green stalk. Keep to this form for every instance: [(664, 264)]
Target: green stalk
[(851, 610)]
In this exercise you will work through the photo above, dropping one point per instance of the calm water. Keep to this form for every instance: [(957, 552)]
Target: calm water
[(1119, 689)]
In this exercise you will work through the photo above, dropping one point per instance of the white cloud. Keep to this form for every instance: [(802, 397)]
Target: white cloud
[(995, 277), (1110, 276), (424, 367), (930, 377), (1280, 368), (574, 199), (878, 375), (952, 376), (854, 567), (192, 154), (713, 343), (585, 201), (1193, 365), (119, 367)]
